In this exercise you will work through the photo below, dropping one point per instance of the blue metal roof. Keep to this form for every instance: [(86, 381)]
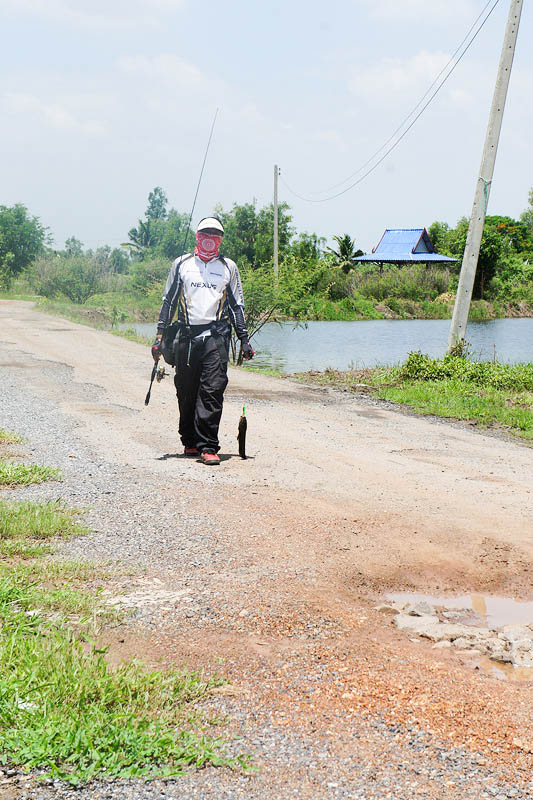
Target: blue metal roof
[(397, 258), (401, 245)]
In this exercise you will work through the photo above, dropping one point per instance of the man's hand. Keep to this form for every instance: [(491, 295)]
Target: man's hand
[(156, 347), (247, 351)]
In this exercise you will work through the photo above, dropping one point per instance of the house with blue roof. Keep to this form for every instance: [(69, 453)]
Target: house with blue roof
[(405, 246)]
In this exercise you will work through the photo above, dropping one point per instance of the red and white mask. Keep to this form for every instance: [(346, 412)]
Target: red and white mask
[(207, 245)]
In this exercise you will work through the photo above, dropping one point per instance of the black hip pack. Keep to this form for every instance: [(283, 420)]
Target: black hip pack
[(167, 343), (179, 331)]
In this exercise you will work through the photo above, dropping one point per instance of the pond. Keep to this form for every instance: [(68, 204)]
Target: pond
[(369, 343)]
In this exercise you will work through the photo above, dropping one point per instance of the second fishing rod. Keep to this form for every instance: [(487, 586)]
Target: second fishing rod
[(159, 373)]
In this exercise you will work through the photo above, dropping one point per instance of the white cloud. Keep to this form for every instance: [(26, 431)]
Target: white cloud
[(461, 98), (55, 114), (166, 67), (396, 79), (330, 136), (421, 10), (96, 14)]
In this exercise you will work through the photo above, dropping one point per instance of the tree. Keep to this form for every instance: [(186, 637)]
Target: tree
[(141, 239), (503, 237), (22, 238), (6, 275), (264, 248), (110, 260), (437, 233), (308, 248), (249, 233), (157, 204), (527, 216), (515, 235), (162, 233), (73, 247), (118, 260), (240, 232), (345, 253), (174, 235), (489, 254)]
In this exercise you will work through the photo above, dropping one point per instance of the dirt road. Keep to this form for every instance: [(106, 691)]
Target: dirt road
[(341, 500)]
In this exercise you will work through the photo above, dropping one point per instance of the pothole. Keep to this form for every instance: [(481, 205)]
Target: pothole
[(497, 629), (493, 612)]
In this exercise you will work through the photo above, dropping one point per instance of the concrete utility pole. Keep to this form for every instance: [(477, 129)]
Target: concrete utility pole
[(481, 198), (276, 260)]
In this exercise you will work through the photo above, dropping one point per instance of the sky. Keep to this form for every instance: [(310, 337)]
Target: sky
[(102, 100)]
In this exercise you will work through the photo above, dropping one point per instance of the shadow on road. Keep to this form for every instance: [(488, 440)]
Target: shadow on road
[(223, 457)]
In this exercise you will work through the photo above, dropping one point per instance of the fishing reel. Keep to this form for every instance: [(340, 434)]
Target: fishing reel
[(161, 373)]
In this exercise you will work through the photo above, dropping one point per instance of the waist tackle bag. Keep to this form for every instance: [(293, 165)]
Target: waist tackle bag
[(167, 343)]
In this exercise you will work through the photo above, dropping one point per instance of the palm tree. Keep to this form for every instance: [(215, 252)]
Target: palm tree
[(141, 239), (345, 253)]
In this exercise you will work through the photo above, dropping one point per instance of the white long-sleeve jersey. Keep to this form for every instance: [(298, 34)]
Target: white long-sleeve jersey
[(203, 293)]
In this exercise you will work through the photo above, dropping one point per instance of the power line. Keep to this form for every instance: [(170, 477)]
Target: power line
[(413, 111), (417, 117)]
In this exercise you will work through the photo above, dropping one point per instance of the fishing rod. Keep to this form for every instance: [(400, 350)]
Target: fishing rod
[(199, 182), (160, 374)]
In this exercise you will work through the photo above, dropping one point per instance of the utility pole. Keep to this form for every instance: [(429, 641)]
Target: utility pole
[(481, 197), (276, 260)]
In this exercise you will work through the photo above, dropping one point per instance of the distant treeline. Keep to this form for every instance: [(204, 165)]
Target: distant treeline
[(315, 281)]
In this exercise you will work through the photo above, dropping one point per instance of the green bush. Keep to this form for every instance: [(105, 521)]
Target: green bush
[(361, 306), (480, 311), (513, 281), (414, 282), (335, 283), (434, 309), (76, 277), (149, 275), (418, 366)]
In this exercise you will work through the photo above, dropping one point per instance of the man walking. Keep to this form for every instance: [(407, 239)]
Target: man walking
[(206, 290)]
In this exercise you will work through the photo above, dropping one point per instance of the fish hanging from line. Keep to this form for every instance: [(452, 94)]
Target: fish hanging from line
[(241, 436)]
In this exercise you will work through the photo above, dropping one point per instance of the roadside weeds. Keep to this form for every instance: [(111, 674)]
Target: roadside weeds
[(64, 711), (491, 395)]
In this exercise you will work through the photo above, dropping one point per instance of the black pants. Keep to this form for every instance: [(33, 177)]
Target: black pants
[(200, 380)]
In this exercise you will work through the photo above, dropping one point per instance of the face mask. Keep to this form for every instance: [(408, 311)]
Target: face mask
[(207, 246)]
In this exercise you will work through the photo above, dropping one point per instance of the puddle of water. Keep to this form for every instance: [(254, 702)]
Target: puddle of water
[(494, 611), (505, 672)]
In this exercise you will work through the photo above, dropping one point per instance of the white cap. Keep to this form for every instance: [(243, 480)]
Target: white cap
[(210, 224)]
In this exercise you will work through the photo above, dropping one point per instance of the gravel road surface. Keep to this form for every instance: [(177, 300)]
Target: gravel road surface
[(269, 570)]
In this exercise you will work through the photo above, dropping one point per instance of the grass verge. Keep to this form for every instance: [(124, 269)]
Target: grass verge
[(490, 394), (457, 399), (24, 474), (92, 318), (9, 438), (25, 527), (63, 710), (38, 520)]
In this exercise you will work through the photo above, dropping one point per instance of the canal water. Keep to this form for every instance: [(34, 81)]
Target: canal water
[(370, 343)]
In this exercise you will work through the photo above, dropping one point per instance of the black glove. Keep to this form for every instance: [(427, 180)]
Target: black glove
[(156, 349), (246, 349)]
